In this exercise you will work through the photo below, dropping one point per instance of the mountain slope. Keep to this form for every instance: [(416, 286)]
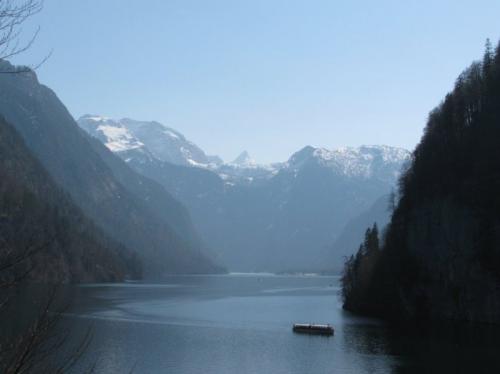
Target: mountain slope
[(119, 200), (39, 220), (301, 210), (441, 258)]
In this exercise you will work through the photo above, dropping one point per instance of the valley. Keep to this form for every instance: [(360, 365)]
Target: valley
[(279, 217)]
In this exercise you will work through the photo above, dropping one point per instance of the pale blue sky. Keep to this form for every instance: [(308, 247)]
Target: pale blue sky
[(269, 76)]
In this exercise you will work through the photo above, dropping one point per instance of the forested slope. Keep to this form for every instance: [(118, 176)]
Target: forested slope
[(440, 258)]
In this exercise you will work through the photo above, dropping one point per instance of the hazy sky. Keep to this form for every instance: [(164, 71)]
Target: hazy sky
[(268, 76)]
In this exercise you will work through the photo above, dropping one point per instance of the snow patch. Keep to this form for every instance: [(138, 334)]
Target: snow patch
[(119, 139), (171, 134)]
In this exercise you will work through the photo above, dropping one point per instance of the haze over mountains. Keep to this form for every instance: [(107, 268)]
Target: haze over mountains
[(131, 209), (175, 209), (279, 217)]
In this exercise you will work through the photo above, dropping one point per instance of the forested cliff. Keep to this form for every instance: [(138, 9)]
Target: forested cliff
[(440, 256)]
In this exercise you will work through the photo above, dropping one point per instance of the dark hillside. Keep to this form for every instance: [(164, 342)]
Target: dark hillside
[(441, 257), (40, 225)]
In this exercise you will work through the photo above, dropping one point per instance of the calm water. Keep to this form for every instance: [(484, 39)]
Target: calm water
[(242, 324)]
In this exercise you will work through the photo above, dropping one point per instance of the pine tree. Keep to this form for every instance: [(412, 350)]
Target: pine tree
[(374, 240), (391, 206), (367, 241), (488, 57)]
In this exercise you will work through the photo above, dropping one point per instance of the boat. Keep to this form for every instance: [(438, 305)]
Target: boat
[(308, 328)]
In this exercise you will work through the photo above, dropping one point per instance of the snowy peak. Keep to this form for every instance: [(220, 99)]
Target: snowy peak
[(159, 141), (244, 159), (363, 162)]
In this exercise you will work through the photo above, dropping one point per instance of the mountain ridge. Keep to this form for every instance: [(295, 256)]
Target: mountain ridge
[(126, 139)]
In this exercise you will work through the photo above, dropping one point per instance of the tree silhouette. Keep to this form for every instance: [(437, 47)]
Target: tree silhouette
[(13, 14)]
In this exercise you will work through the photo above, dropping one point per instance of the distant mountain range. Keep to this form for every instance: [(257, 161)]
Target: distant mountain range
[(151, 141), (255, 217)]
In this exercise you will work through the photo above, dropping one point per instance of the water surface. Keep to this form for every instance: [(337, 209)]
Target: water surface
[(242, 324)]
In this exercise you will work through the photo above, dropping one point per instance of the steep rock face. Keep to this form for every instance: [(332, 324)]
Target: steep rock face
[(441, 257), (132, 209), (269, 217), (40, 224)]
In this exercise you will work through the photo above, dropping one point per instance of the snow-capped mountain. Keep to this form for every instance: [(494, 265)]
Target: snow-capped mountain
[(365, 162), (256, 217), (381, 163), (244, 160), (146, 138), (143, 142), (245, 170)]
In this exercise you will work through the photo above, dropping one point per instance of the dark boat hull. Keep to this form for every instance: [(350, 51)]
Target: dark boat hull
[(313, 329)]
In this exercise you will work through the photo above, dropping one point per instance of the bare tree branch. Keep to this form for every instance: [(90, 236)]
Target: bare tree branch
[(13, 14)]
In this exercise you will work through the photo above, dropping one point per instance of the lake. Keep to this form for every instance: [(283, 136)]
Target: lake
[(242, 323)]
